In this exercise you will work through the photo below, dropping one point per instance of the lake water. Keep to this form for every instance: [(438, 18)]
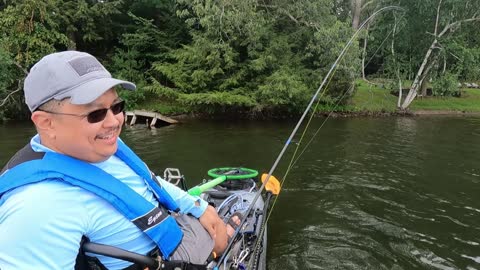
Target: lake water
[(367, 193)]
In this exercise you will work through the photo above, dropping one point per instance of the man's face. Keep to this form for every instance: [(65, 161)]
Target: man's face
[(76, 137)]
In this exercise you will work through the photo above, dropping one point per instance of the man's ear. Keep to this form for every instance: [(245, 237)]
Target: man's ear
[(44, 123)]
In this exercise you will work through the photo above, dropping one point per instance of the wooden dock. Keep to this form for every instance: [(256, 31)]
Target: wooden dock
[(150, 118)]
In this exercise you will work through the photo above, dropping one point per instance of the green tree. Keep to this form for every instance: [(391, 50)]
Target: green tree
[(90, 24), (111, 30), (275, 53), (29, 30), (133, 57), (446, 85), (150, 30)]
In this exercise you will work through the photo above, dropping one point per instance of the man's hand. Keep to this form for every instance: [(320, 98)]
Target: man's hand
[(216, 228), (210, 221)]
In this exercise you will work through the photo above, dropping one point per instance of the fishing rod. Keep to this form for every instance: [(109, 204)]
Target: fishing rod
[(297, 126), (330, 113)]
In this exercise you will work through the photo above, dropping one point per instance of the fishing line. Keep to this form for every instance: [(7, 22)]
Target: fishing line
[(333, 109), (329, 114), (297, 126), (257, 245), (378, 48), (290, 165), (319, 128), (293, 161)]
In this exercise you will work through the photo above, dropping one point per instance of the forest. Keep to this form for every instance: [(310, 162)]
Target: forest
[(248, 57)]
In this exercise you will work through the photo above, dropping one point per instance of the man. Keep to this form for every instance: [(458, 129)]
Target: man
[(77, 180)]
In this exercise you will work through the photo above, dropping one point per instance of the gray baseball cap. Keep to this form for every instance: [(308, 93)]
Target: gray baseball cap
[(69, 74)]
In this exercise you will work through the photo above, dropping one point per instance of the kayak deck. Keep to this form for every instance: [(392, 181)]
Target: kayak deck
[(248, 249)]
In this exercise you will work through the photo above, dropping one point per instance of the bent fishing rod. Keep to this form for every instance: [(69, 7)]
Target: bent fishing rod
[(300, 121)]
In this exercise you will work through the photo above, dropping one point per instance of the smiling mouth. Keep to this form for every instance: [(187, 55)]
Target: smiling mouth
[(108, 135)]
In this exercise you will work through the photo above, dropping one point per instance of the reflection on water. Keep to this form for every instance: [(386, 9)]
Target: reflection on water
[(387, 193)]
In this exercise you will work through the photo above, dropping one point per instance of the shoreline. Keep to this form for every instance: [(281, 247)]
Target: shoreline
[(415, 113), (350, 114), (445, 112)]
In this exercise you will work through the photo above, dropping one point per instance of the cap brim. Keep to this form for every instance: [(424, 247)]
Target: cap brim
[(90, 91)]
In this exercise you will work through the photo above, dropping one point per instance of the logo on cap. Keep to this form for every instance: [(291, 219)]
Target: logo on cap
[(85, 65)]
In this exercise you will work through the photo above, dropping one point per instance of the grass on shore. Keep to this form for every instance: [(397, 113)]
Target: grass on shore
[(468, 102), (372, 98)]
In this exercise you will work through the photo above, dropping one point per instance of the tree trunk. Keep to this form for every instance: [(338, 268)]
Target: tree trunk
[(400, 93), (412, 93), (364, 54), (423, 87), (356, 12), (73, 41)]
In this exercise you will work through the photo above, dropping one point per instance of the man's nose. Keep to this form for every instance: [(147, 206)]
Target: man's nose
[(111, 119)]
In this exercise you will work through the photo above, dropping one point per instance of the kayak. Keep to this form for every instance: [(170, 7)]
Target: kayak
[(236, 195), (232, 191)]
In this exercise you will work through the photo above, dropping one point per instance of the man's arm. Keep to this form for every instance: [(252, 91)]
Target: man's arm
[(187, 203), (200, 209), (38, 229)]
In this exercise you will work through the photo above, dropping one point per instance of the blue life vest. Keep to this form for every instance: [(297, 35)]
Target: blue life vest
[(153, 221)]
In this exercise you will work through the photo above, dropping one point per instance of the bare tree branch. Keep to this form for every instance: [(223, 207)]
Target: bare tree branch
[(400, 87), (20, 83), (438, 16), (367, 4), (451, 25), (364, 52), (4, 101), (291, 17), (424, 69), (20, 67)]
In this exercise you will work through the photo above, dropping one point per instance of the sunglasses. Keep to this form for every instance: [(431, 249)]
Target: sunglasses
[(97, 115)]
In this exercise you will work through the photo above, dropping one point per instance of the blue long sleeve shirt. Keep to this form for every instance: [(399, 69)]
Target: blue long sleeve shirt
[(41, 224)]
